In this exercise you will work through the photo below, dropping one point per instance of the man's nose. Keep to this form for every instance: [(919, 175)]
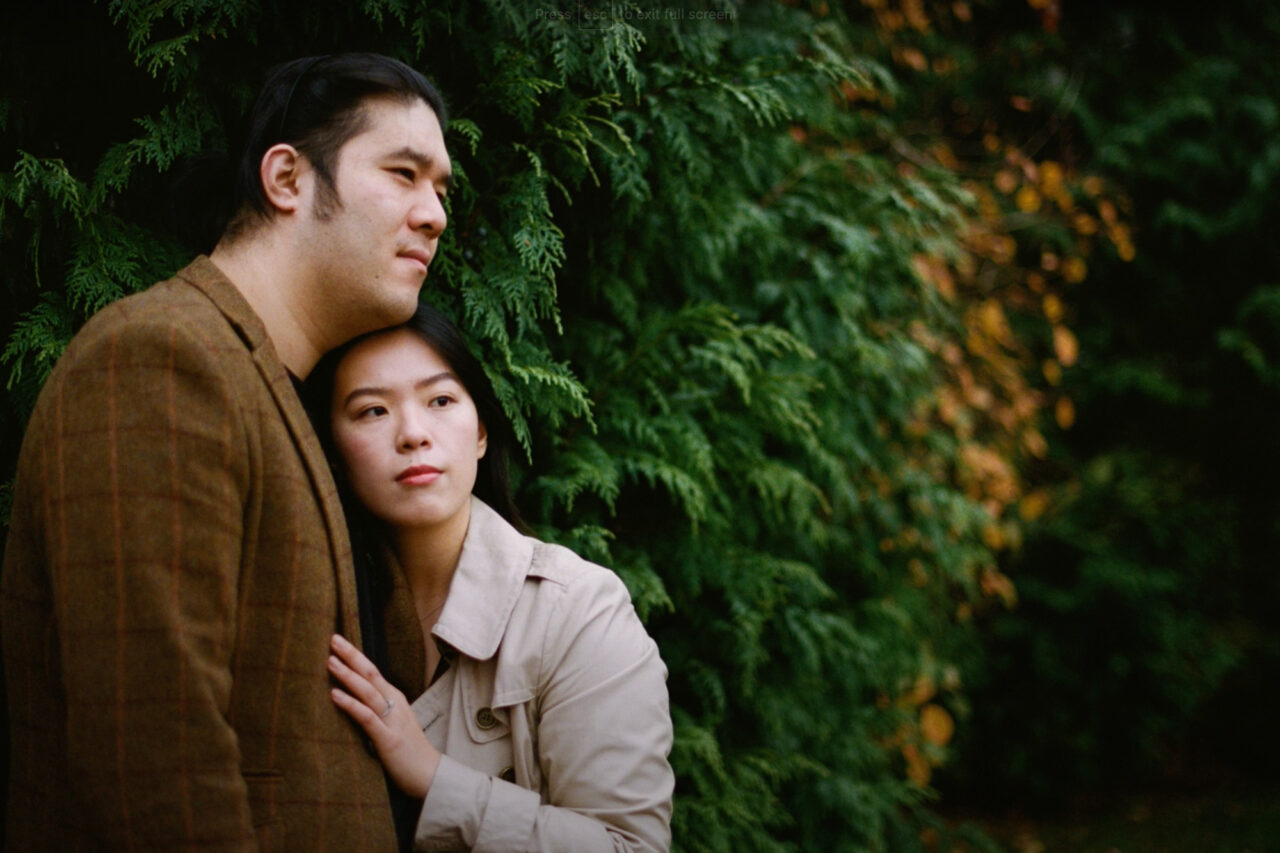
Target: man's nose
[(428, 214)]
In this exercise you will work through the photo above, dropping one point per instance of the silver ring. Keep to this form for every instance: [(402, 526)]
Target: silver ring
[(386, 710)]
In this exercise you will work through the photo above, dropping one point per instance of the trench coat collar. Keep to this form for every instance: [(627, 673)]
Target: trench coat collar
[(206, 277), (491, 572)]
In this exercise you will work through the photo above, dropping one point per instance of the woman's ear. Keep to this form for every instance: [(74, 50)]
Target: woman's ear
[(281, 172), (482, 442)]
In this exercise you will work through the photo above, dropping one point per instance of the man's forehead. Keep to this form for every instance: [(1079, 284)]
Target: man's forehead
[(398, 128), (385, 116)]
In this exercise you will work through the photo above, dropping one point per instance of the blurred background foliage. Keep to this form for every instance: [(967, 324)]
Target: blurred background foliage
[(915, 363)]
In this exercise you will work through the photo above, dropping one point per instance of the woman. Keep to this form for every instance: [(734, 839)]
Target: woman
[(544, 722)]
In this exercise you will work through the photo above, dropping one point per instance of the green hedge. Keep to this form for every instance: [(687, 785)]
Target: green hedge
[(687, 259)]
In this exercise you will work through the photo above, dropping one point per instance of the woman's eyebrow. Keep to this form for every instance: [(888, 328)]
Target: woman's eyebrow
[(431, 380), (376, 391)]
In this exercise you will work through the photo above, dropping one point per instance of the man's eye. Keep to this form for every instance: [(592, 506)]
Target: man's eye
[(407, 174)]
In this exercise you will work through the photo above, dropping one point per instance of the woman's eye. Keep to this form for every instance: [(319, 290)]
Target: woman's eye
[(440, 402), (371, 412)]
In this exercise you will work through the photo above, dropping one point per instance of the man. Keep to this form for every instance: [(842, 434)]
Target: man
[(177, 558)]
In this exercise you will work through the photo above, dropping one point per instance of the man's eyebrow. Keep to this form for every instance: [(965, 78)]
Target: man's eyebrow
[(421, 160), (375, 391)]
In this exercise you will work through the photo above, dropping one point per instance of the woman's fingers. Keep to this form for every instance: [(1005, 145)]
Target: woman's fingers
[(360, 664), (359, 711), (384, 714), (357, 684), (361, 678)]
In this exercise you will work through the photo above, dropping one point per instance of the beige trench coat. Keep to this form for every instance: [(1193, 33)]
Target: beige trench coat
[(552, 715)]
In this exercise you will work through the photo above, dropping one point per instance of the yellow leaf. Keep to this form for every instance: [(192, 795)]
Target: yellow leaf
[(1034, 505), (913, 58), (914, 11), (1052, 307), (918, 770), (1051, 177), (1035, 444), (1052, 371), (1027, 199), (1064, 411), (936, 724), (1005, 181), (992, 320), (1065, 345), (922, 691), (993, 582), (1074, 270)]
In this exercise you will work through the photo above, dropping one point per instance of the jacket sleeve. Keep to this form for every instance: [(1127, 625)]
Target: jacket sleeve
[(603, 738), (146, 481)]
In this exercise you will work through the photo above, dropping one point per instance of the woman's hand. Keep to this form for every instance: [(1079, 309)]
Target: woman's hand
[(385, 715)]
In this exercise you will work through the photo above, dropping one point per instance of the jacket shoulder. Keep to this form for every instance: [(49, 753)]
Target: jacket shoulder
[(171, 306)]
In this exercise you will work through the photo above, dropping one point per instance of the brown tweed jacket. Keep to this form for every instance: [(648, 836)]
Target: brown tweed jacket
[(176, 562)]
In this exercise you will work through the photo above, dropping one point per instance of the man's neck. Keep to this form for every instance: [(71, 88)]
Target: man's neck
[(268, 280)]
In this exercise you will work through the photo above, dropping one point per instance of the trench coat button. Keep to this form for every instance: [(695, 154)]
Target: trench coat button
[(508, 775), (485, 718)]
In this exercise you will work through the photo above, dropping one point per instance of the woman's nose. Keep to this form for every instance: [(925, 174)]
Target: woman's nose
[(413, 432)]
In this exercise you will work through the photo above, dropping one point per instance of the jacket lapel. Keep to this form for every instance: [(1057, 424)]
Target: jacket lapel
[(207, 278)]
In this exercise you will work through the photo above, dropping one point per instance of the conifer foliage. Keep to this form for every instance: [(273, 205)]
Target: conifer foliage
[(691, 264)]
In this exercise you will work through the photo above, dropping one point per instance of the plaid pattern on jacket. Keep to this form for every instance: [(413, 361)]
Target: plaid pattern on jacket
[(176, 562)]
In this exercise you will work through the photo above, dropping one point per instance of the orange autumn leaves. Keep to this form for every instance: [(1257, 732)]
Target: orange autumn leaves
[(1028, 239), (923, 737)]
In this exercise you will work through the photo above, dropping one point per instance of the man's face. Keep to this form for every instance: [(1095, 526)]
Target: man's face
[(368, 254)]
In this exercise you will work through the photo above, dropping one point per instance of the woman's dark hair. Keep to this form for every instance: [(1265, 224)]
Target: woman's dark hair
[(317, 104), (368, 541), (493, 484)]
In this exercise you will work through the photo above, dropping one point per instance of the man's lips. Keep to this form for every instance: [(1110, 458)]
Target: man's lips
[(422, 256), (418, 475)]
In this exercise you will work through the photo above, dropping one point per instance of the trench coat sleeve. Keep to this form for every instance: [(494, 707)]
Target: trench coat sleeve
[(603, 739), (144, 485)]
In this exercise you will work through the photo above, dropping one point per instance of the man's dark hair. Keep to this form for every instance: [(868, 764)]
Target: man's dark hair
[(316, 104)]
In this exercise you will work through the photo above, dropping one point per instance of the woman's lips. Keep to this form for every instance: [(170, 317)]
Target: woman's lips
[(418, 475)]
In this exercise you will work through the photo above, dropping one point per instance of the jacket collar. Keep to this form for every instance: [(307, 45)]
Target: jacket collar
[(491, 572), (205, 276)]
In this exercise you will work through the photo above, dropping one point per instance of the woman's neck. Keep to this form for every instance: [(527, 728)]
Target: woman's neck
[(429, 556)]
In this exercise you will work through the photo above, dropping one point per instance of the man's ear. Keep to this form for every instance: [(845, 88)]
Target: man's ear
[(281, 172)]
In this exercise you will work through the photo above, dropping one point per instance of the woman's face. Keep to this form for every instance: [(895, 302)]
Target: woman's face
[(407, 431)]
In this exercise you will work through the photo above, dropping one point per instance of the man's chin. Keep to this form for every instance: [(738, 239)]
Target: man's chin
[(396, 311)]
